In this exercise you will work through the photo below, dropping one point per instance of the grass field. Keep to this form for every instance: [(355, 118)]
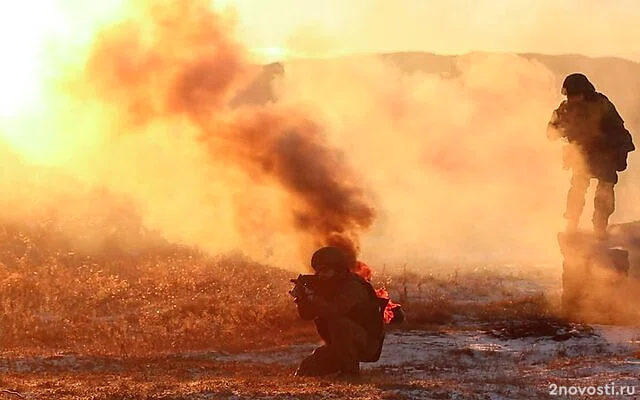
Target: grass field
[(171, 323)]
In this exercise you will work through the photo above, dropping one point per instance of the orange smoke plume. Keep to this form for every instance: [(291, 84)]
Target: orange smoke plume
[(174, 63)]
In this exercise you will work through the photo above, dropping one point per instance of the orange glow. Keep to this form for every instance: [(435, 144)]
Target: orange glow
[(440, 26), (135, 96), (41, 40)]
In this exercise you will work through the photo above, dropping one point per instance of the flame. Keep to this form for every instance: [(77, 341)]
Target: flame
[(388, 311), (365, 272)]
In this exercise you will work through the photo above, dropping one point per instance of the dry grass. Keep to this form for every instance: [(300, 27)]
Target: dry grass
[(181, 304), (244, 384), (194, 378), (169, 378), (480, 297), (110, 300), (130, 317), (163, 299)]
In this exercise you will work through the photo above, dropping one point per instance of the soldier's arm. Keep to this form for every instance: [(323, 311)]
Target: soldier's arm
[(341, 305), (305, 309), (554, 127)]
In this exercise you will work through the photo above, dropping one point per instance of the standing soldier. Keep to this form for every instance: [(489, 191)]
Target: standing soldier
[(597, 148)]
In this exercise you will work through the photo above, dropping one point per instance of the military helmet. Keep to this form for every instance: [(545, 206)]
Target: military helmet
[(330, 257), (577, 84)]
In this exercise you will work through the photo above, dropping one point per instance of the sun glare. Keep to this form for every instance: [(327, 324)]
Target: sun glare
[(38, 38), (271, 54), (23, 28)]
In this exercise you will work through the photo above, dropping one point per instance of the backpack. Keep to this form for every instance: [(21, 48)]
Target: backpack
[(374, 326)]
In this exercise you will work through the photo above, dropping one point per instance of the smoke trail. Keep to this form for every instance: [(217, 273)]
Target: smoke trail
[(174, 65)]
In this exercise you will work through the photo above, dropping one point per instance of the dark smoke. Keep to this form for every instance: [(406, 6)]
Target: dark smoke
[(175, 60)]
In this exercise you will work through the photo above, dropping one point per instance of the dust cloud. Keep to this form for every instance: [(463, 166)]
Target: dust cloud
[(409, 168), (460, 165), (458, 160), (145, 114)]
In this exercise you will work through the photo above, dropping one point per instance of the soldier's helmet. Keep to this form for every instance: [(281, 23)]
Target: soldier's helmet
[(273, 69), (330, 257), (575, 84)]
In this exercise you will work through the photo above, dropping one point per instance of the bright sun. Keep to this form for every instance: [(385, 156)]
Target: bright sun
[(23, 27), (271, 54), (28, 30)]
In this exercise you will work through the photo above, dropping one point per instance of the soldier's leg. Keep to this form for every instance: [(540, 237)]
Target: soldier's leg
[(575, 200), (347, 340), (603, 207), (321, 362)]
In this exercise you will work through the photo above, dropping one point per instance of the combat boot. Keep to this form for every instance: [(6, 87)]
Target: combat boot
[(350, 371)]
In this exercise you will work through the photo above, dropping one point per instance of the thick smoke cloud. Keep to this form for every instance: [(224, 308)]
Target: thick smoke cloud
[(458, 158), (146, 113), (456, 166), (460, 165)]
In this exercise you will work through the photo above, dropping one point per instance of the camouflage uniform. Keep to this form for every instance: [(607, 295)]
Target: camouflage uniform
[(597, 147), (348, 318)]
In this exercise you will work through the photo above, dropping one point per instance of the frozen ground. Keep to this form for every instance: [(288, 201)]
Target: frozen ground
[(505, 361), (480, 361)]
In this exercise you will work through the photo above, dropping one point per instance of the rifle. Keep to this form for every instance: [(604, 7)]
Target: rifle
[(305, 284)]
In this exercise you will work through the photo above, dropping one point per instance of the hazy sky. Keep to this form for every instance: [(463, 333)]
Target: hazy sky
[(327, 27), (591, 27)]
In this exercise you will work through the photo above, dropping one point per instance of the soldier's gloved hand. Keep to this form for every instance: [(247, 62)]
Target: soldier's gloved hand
[(301, 292), (308, 293), (297, 291)]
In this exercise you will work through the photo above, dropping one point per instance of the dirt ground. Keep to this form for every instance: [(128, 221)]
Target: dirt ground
[(507, 360)]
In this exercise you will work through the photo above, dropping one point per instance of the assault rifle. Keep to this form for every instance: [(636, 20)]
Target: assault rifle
[(305, 284)]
